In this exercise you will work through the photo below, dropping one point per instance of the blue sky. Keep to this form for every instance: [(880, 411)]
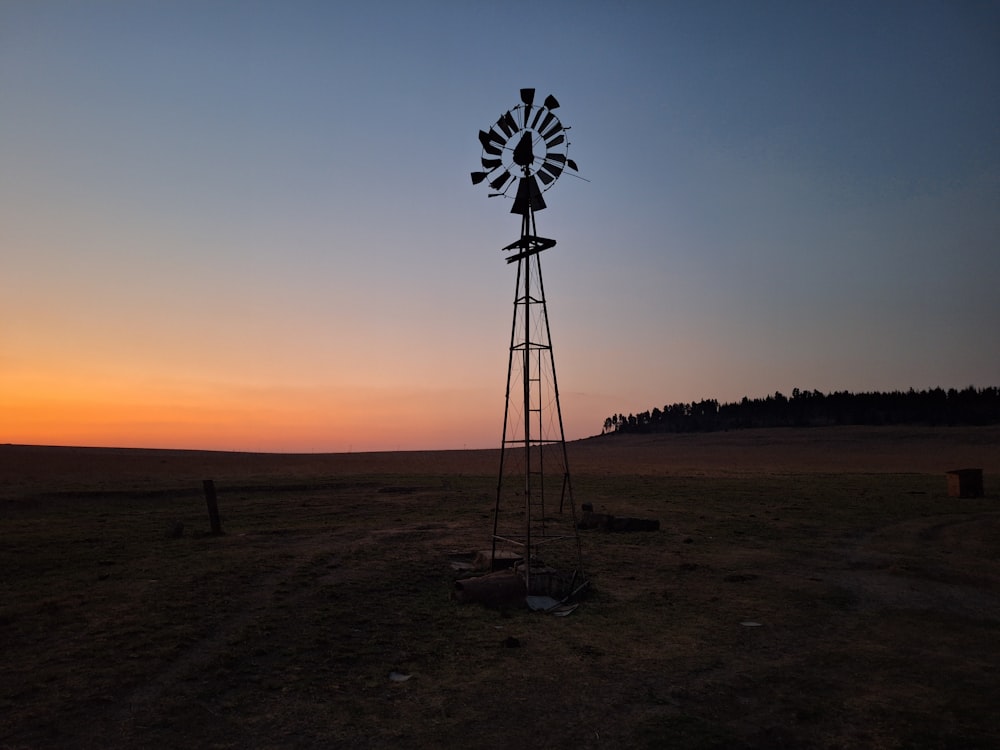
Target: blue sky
[(251, 225)]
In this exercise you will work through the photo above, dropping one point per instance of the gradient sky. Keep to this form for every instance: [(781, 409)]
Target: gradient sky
[(250, 225)]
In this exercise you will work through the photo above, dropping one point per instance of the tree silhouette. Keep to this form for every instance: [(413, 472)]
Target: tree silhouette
[(970, 406)]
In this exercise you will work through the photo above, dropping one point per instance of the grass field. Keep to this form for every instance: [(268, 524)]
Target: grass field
[(877, 599)]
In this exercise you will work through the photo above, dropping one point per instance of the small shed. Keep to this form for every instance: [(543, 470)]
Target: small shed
[(965, 482)]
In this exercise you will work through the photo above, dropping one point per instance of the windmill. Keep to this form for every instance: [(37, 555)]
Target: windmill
[(534, 518)]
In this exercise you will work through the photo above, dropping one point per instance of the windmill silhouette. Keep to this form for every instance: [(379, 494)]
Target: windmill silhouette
[(534, 518)]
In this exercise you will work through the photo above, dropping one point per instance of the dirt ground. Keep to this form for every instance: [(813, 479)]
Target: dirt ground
[(808, 588)]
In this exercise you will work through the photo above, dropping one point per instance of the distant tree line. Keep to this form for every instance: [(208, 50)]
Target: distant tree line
[(970, 406)]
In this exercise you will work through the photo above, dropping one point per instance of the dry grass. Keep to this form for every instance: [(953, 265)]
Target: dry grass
[(878, 599)]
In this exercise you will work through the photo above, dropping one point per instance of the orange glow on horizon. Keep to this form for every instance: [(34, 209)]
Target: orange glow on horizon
[(103, 411)]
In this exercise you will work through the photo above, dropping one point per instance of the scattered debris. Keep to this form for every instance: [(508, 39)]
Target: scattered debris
[(563, 610), (462, 561), (549, 605), (544, 603), (399, 676)]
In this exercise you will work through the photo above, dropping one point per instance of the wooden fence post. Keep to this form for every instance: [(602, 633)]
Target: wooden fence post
[(213, 506)]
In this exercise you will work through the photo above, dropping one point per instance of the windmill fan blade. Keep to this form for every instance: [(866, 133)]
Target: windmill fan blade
[(488, 140), (527, 96), (572, 165), (491, 164), (549, 117), (555, 128), (561, 158), (500, 181), (497, 138), (538, 114), (555, 141), (551, 102), (545, 177), (478, 177), (506, 124), (552, 170)]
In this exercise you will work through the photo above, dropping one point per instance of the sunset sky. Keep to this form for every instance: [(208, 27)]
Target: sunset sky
[(250, 225)]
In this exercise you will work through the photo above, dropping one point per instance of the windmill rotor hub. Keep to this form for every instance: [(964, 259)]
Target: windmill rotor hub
[(523, 155)]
